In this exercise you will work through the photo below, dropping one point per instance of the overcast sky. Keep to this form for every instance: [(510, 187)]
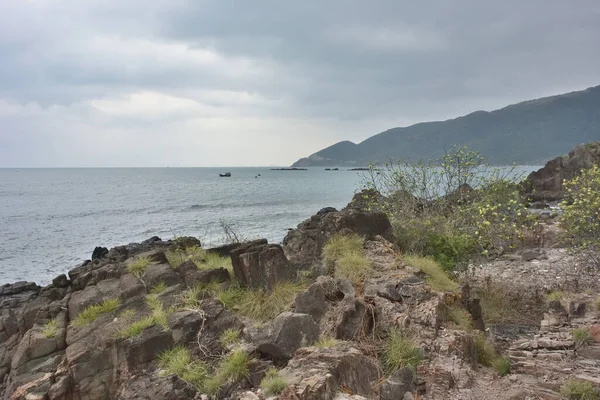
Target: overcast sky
[(239, 83)]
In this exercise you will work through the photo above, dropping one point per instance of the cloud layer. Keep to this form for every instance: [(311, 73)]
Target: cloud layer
[(222, 82)]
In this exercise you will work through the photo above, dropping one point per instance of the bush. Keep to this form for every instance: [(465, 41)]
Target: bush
[(580, 220), (91, 313), (273, 384), (398, 352), (502, 365), (50, 329), (579, 390), (436, 277), (453, 208)]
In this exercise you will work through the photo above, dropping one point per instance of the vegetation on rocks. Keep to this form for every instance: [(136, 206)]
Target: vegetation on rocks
[(344, 256), (91, 313), (437, 278), (399, 351), (229, 337), (199, 256), (50, 329), (325, 342), (582, 336), (139, 266), (453, 208), (158, 316), (273, 384), (178, 361), (580, 220), (579, 390)]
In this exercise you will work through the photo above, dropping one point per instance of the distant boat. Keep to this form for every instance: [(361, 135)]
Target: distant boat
[(225, 175)]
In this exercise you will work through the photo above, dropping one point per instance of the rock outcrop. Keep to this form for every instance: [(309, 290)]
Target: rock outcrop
[(546, 184), (304, 244)]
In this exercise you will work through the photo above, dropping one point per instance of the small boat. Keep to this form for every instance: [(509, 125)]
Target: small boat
[(225, 175)]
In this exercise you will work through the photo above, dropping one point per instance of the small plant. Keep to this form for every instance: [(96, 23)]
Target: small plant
[(136, 328), (485, 351), (436, 276), (91, 313), (399, 352), (582, 337), (459, 316), (229, 337), (325, 342), (127, 315), (555, 296), (235, 366), (139, 266), (597, 303), (176, 258), (502, 365), (273, 384), (50, 329), (159, 288), (261, 305), (178, 361), (212, 260), (575, 389), (353, 266), (339, 245), (158, 317)]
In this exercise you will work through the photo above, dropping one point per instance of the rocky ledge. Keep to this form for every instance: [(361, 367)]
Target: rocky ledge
[(110, 329)]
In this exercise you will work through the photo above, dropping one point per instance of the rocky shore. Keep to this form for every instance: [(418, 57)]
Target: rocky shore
[(170, 320)]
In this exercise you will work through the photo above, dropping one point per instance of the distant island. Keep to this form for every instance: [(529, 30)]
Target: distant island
[(530, 133)]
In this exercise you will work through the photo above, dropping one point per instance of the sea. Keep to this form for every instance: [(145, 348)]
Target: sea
[(51, 219)]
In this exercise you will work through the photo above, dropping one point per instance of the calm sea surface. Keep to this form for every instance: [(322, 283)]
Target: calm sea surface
[(51, 219)]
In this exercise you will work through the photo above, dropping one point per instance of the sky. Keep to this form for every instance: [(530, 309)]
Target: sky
[(114, 83)]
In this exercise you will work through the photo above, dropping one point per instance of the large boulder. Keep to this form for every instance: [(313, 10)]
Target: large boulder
[(261, 266), (546, 184), (304, 244), (288, 332)]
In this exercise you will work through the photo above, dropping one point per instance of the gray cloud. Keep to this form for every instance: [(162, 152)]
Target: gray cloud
[(86, 83)]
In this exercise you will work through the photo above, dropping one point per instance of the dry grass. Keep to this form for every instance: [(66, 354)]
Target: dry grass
[(139, 266), (345, 255), (436, 276), (505, 303), (50, 329), (261, 305), (582, 337), (273, 384)]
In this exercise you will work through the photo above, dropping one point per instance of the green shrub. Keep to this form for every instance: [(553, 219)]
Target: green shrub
[(502, 365), (139, 266), (436, 276), (582, 337), (398, 351), (91, 313), (580, 220), (575, 389), (50, 329), (273, 384)]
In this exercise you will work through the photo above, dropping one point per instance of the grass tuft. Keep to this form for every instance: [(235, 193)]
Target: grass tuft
[(235, 366), (502, 365), (353, 266), (436, 276), (597, 303), (260, 305), (178, 361), (339, 245), (485, 351), (191, 297), (325, 342), (398, 351), (158, 317), (555, 295), (344, 255), (229, 337), (139, 266), (91, 313), (176, 258), (575, 389), (159, 288), (136, 328), (273, 384), (582, 337), (459, 317), (50, 329)]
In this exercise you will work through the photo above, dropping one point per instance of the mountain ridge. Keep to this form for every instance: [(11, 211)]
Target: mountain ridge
[(528, 132)]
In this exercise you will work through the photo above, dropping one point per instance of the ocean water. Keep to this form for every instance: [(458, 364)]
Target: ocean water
[(51, 219)]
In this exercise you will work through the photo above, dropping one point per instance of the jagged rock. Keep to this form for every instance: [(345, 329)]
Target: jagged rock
[(99, 252), (185, 325), (192, 276), (304, 244), (319, 373), (156, 273), (145, 347), (397, 385), (546, 184), (261, 266), (226, 249), (61, 281), (353, 319), (152, 387), (185, 242), (287, 333)]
